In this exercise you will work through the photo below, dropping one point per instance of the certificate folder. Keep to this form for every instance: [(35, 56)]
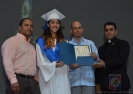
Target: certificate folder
[(85, 61), (79, 54)]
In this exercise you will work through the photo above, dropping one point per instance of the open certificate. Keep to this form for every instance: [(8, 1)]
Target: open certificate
[(82, 50), (79, 54)]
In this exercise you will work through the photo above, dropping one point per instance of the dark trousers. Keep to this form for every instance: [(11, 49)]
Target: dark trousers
[(27, 85), (121, 91), (83, 90)]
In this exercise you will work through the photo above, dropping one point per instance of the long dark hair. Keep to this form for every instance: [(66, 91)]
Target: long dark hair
[(49, 40)]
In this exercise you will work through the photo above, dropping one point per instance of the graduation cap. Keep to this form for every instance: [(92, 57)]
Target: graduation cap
[(53, 14)]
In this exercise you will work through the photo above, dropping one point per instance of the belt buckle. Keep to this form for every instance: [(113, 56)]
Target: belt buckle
[(27, 76)]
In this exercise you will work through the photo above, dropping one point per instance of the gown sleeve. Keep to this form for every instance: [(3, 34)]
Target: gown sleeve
[(46, 67)]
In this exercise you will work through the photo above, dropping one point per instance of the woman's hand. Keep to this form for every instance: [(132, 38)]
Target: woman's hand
[(59, 64)]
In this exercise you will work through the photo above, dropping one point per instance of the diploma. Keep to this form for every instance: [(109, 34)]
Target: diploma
[(79, 54)]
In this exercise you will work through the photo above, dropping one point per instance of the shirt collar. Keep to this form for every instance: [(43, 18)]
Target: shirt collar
[(74, 40), (113, 41), (109, 41), (23, 37)]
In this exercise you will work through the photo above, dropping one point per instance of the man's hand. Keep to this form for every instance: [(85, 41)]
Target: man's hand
[(74, 66), (100, 64), (97, 89), (36, 78), (94, 55), (15, 88)]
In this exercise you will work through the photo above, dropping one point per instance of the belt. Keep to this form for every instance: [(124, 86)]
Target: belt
[(25, 76)]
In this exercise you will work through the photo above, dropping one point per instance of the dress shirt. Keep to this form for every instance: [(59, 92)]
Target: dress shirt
[(19, 57), (83, 75)]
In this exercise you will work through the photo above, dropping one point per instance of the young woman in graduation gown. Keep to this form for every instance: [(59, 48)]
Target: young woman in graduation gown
[(53, 74)]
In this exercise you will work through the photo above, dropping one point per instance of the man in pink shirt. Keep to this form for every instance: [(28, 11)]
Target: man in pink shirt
[(19, 60)]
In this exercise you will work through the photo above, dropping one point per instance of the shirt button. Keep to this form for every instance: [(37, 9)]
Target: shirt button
[(81, 74)]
